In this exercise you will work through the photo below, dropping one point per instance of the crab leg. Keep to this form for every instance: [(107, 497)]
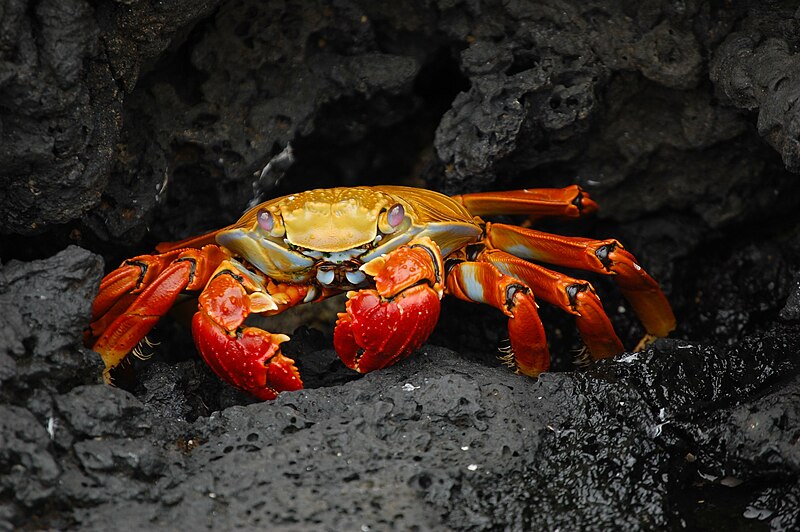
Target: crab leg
[(384, 325), (135, 296), (602, 256), (569, 202), (483, 282), (136, 274), (571, 295), (247, 357)]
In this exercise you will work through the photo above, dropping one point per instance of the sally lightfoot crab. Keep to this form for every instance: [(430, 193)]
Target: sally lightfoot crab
[(395, 251)]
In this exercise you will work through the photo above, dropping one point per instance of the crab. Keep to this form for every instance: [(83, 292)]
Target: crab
[(395, 251)]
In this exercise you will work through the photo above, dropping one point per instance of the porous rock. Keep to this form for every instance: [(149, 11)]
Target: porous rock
[(755, 68), (438, 441), (64, 68), (125, 118), (46, 306)]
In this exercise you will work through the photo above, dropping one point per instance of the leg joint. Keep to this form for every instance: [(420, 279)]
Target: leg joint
[(231, 273), (603, 253), (193, 269), (511, 291), (449, 264), (142, 270), (434, 260), (572, 293)]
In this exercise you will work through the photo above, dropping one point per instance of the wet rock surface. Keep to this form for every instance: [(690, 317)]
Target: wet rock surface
[(125, 123)]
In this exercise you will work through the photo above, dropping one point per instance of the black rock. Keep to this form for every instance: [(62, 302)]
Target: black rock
[(125, 123)]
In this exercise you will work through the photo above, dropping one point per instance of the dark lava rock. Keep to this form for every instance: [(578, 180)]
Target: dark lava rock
[(64, 68), (45, 307), (127, 122), (60, 114), (434, 442), (756, 68)]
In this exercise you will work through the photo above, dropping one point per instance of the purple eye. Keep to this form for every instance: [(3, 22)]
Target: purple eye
[(265, 220), (395, 215)]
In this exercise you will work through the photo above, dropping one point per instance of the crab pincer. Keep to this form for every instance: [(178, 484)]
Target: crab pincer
[(248, 358), (386, 324)]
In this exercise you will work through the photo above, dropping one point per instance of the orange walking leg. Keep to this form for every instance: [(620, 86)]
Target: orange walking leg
[(601, 256), (482, 282), (135, 296), (571, 295), (569, 202)]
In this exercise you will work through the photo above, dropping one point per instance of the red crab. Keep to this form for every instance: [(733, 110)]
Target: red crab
[(395, 250)]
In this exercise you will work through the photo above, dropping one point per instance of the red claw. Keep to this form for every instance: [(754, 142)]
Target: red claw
[(375, 333), (250, 360), (384, 325)]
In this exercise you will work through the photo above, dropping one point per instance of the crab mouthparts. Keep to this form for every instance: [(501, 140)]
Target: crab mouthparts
[(340, 269), (340, 275)]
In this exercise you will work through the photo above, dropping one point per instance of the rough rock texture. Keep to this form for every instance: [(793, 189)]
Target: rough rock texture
[(65, 67), (435, 442), (755, 68), (127, 122)]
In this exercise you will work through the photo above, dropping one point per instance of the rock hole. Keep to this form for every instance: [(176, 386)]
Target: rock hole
[(392, 148), (524, 60), (29, 344), (424, 481)]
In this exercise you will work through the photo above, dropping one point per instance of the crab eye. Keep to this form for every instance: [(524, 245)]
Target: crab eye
[(265, 220), (395, 215), (391, 219)]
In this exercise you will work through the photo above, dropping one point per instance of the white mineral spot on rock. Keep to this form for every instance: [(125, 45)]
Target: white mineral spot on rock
[(633, 357)]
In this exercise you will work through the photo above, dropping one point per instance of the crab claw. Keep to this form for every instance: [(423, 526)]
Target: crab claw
[(383, 325), (250, 360), (375, 332)]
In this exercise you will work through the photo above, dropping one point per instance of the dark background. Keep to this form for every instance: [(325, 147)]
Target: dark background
[(126, 123)]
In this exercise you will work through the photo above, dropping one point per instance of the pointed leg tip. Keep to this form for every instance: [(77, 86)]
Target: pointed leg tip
[(646, 340)]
